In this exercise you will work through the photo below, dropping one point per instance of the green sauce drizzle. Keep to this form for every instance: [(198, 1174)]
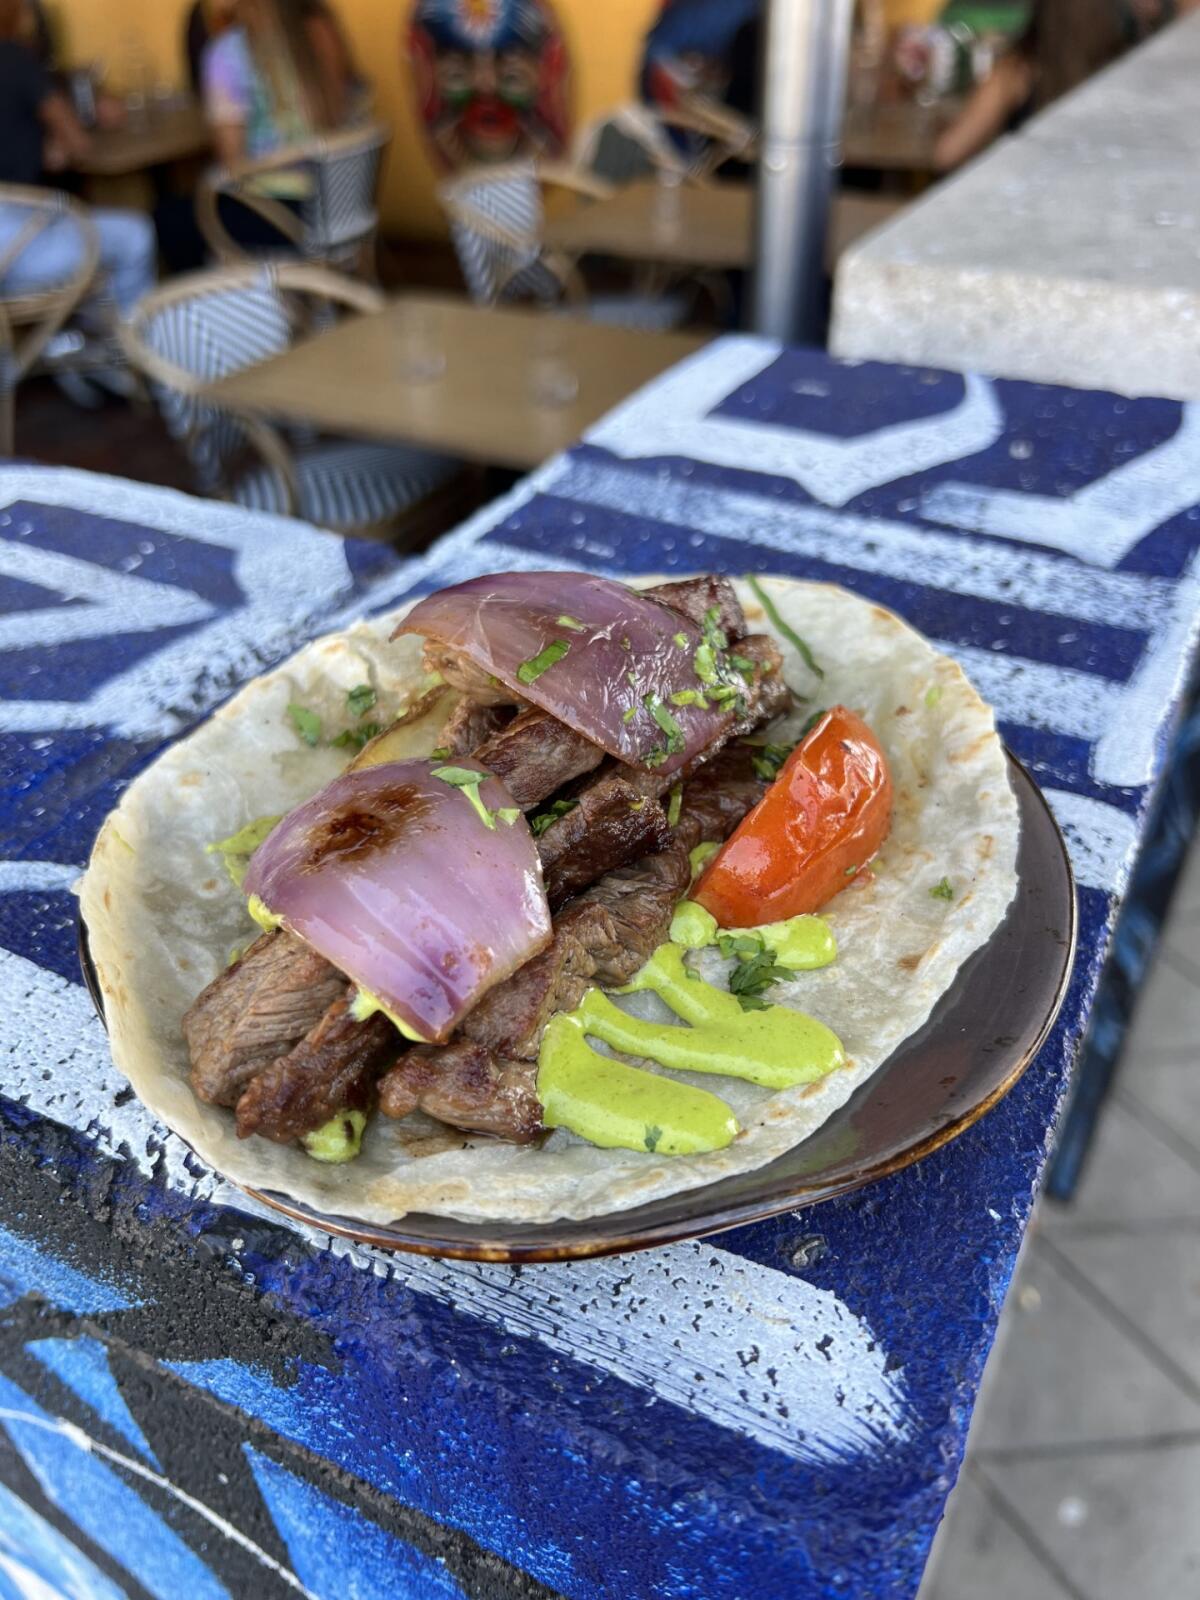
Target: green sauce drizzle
[(611, 1104), (266, 919), (338, 1140), (365, 1004)]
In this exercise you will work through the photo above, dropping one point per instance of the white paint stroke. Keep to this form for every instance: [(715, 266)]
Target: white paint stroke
[(84, 1441), (116, 602), (1102, 841), (1128, 747), (33, 876), (750, 1348), (1023, 579), (670, 417), (723, 1338), (1100, 523), (288, 572), (1038, 695)]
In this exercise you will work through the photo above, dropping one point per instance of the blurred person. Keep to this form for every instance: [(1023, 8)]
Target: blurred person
[(33, 30), (276, 73), (35, 115), (282, 73), (204, 22), (1061, 46)]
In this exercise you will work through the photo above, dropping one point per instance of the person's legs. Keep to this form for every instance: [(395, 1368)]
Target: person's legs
[(127, 253)]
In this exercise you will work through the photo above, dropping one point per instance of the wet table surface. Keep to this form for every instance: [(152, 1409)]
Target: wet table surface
[(197, 1397)]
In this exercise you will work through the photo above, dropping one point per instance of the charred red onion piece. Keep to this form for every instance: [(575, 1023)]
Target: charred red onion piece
[(394, 875), (616, 666)]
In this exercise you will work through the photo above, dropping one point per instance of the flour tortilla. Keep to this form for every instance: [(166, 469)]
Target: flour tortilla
[(162, 915)]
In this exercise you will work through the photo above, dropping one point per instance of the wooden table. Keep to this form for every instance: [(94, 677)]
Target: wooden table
[(712, 226), (164, 136), (897, 137), (359, 378)]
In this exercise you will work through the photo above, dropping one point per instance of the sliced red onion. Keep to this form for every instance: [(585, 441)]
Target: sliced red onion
[(393, 875), (616, 666)]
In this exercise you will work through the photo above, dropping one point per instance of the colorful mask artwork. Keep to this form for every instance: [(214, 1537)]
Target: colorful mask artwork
[(491, 79)]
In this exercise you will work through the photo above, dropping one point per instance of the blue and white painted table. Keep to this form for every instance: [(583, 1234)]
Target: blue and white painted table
[(196, 1398)]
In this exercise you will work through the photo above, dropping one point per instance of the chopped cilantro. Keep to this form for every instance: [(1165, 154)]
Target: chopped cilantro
[(668, 724), (306, 723), (790, 634), (689, 697), (442, 753), (631, 679), (509, 814), (744, 665), (544, 819), (629, 715), (704, 663), (626, 643), (850, 871), (943, 890), (468, 781), (681, 639), (529, 671), (355, 738), (811, 724), (714, 634), (360, 699), (674, 805), (655, 756), (653, 1135), (770, 760), (571, 622), (750, 979), (742, 945), (932, 696)]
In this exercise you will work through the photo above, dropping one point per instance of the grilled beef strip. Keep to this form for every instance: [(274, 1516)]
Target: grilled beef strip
[(259, 1007), (332, 1069), (536, 755), (470, 724), (612, 822), (465, 1085), (602, 937)]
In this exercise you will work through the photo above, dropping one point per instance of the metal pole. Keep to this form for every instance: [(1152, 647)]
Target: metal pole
[(806, 46)]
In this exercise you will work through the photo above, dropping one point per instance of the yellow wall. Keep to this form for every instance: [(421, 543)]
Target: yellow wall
[(604, 38)]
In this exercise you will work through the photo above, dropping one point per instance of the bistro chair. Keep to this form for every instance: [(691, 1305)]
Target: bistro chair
[(624, 145), (719, 135), (496, 215), (203, 326), (339, 215), (29, 319), (496, 219)]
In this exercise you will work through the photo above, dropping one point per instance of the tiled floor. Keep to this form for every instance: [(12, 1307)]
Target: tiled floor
[(1082, 1479)]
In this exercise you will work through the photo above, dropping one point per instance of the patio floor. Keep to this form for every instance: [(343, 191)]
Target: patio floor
[(1083, 1468)]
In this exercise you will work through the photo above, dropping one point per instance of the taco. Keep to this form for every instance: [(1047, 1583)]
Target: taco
[(571, 895)]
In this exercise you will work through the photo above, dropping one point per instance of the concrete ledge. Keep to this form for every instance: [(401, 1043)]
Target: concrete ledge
[(1067, 254)]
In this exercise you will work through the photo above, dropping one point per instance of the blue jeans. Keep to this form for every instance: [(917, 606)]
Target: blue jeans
[(127, 254)]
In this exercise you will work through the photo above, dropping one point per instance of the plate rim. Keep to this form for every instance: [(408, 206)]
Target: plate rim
[(397, 1239)]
